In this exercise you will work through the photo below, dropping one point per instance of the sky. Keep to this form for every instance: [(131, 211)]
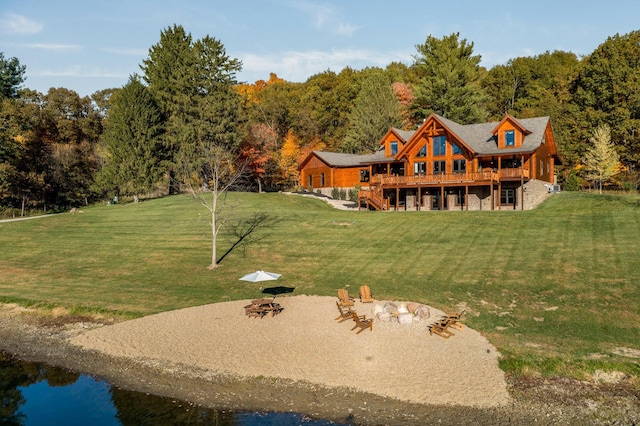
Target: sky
[(91, 45)]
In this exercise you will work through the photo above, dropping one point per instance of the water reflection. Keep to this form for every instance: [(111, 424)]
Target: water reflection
[(37, 394)]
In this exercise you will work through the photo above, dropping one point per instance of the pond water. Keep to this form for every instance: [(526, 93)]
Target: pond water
[(37, 394)]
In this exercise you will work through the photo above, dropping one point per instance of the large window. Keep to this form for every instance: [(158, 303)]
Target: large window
[(439, 167), (509, 138), (364, 175), (459, 166), (420, 168), (394, 148), (439, 145), (321, 179), (456, 149), (423, 151), (310, 182)]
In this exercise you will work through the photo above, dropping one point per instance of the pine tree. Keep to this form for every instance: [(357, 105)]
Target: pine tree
[(602, 161), (449, 81), (376, 110), (133, 142)]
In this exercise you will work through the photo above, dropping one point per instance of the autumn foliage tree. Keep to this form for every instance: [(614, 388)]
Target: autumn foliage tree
[(602, 162), (288, 163)]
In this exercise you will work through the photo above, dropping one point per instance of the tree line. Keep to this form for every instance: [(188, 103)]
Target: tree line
[(186, 112)]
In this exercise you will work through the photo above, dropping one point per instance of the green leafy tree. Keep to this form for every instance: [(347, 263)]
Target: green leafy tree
[(449, 83), (133, 143), (11, 76), (608, 91), (25, 155), (376, 110), (602, 161)]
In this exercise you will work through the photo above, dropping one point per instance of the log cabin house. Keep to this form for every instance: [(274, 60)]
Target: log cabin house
[(444, 165)]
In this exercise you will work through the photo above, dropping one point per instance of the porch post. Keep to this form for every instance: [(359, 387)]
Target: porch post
[(522, 182), (397, 196), (418, 199), (466, 197), (491, 195)]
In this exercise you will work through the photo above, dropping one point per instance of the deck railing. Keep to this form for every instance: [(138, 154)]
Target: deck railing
[(452, 178)]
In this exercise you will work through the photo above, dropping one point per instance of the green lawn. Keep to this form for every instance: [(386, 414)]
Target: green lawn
[(556, 289)]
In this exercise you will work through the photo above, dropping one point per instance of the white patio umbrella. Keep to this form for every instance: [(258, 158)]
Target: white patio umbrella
[(260, 276)]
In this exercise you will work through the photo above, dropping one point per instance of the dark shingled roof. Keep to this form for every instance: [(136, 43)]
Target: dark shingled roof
[(338, 159), (479, 137), (404, 134)]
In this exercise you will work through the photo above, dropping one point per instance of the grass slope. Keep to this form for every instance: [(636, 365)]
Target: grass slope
[(556, 289)]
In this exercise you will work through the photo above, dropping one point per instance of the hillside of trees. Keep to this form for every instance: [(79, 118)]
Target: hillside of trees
[(59, 150)]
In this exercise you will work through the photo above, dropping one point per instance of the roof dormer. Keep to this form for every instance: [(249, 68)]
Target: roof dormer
[(393, 142), (509, 133)]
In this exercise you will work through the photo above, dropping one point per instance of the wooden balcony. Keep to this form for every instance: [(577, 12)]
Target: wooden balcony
[(484, 177)]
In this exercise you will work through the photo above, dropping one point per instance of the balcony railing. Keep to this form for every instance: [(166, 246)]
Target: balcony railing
[(437, 179)]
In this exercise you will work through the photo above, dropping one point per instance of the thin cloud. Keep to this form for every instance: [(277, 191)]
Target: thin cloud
[(299, 66), (326, 16), (78, 71), (11, 23), (126, 52), (53, 46)]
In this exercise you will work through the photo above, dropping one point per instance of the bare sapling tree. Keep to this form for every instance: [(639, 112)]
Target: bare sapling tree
[(217, 174)]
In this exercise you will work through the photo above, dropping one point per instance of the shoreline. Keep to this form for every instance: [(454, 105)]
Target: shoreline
[(543, 402)]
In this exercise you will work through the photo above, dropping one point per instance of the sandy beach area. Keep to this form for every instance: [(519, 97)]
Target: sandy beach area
[(306, 343)]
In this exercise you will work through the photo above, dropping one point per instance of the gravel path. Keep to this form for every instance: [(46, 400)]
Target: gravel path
[(305, 343)]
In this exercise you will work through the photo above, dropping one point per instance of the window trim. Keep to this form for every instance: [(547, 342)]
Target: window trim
[(393, 147), (509, 136), (439, 146), (508, 194), (462, 169)]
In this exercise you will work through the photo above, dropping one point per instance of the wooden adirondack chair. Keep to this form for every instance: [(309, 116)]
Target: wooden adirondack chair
[(453, 320), (441, 330), (345, 300), (365, 294), (362, 322), (345, 314)]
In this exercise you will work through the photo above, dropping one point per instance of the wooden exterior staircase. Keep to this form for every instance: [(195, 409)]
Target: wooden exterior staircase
[(373, 198)]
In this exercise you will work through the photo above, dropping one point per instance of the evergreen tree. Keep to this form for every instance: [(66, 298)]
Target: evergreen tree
[(376, 110), (193, 82), (133, 142), (11, 76), (449, 81), (602, 162)]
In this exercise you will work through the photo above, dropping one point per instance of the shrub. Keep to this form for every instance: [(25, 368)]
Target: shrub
[(343, 194), (335, 193)]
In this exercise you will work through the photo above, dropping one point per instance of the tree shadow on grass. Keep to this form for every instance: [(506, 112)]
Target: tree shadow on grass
[(244, 232)]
